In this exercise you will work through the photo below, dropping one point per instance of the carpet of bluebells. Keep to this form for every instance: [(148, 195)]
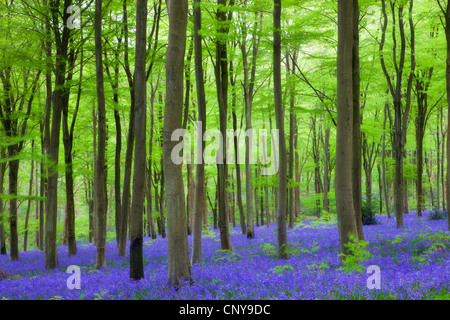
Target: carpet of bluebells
[(414, 264)]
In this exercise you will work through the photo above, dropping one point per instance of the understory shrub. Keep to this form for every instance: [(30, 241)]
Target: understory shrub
[(437, 215), (368, 215)]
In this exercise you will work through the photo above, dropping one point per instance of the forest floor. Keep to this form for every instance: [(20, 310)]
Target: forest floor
[(414, 263)]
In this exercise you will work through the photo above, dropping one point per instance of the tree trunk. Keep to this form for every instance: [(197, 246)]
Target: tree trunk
[(344, 148), (380, 188), (238, 179), (126, 190), (419, 189), (190, 199), (59, 97), (233, 201), (357, 138), (248, 144), (383, 163), (255, 191), (401, 109), (68, 137), (326, 160), (179, 263), (221, 76), (150, 219), (100, 191), (2, 212), (291, 158), (443, 155), (279, 114), (13, 176), (30, 193), (438, 159), (297, 171), (117, 165), (140, 112), (447, 36)]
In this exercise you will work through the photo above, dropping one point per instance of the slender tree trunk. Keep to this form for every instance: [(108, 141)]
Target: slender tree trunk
[(150, 222), (162, 201), (297, 171), (190, 177), (248, 142), (291, 151), (380, 188), (30, 193), (443, 156), (238, 179), (117, 165), (59, 96), (221, 75), (126, 189), (419, 189), (13, 176), (266, 186), (279, 114), (326, 160), (200, 210), (68, 136), (190, 199), (140, 111), (36, 203), (2, 211), (383, 163), (406, 197), (275, 160), (42, 191), (255, 191), (100, 191), (233, 201), (357, 138), (438, 159), (429, 169), (92, 226), (401, 108)]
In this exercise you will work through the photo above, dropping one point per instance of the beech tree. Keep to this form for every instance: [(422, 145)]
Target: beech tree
[(401, 106), (137, 204), (179, 263), (279, 115), (344, 136), (100, 176), (446, 23), (200, 186)]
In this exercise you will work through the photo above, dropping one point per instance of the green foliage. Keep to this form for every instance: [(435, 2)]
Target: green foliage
[(227, 256), (156, 214), (324, 222), (444, 294), (439, 244), (313, 249), (368, 214), (320, 267), (281, 270), (210, 234), (437, 215), (327, 217), (357, 253), (269, 249)]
